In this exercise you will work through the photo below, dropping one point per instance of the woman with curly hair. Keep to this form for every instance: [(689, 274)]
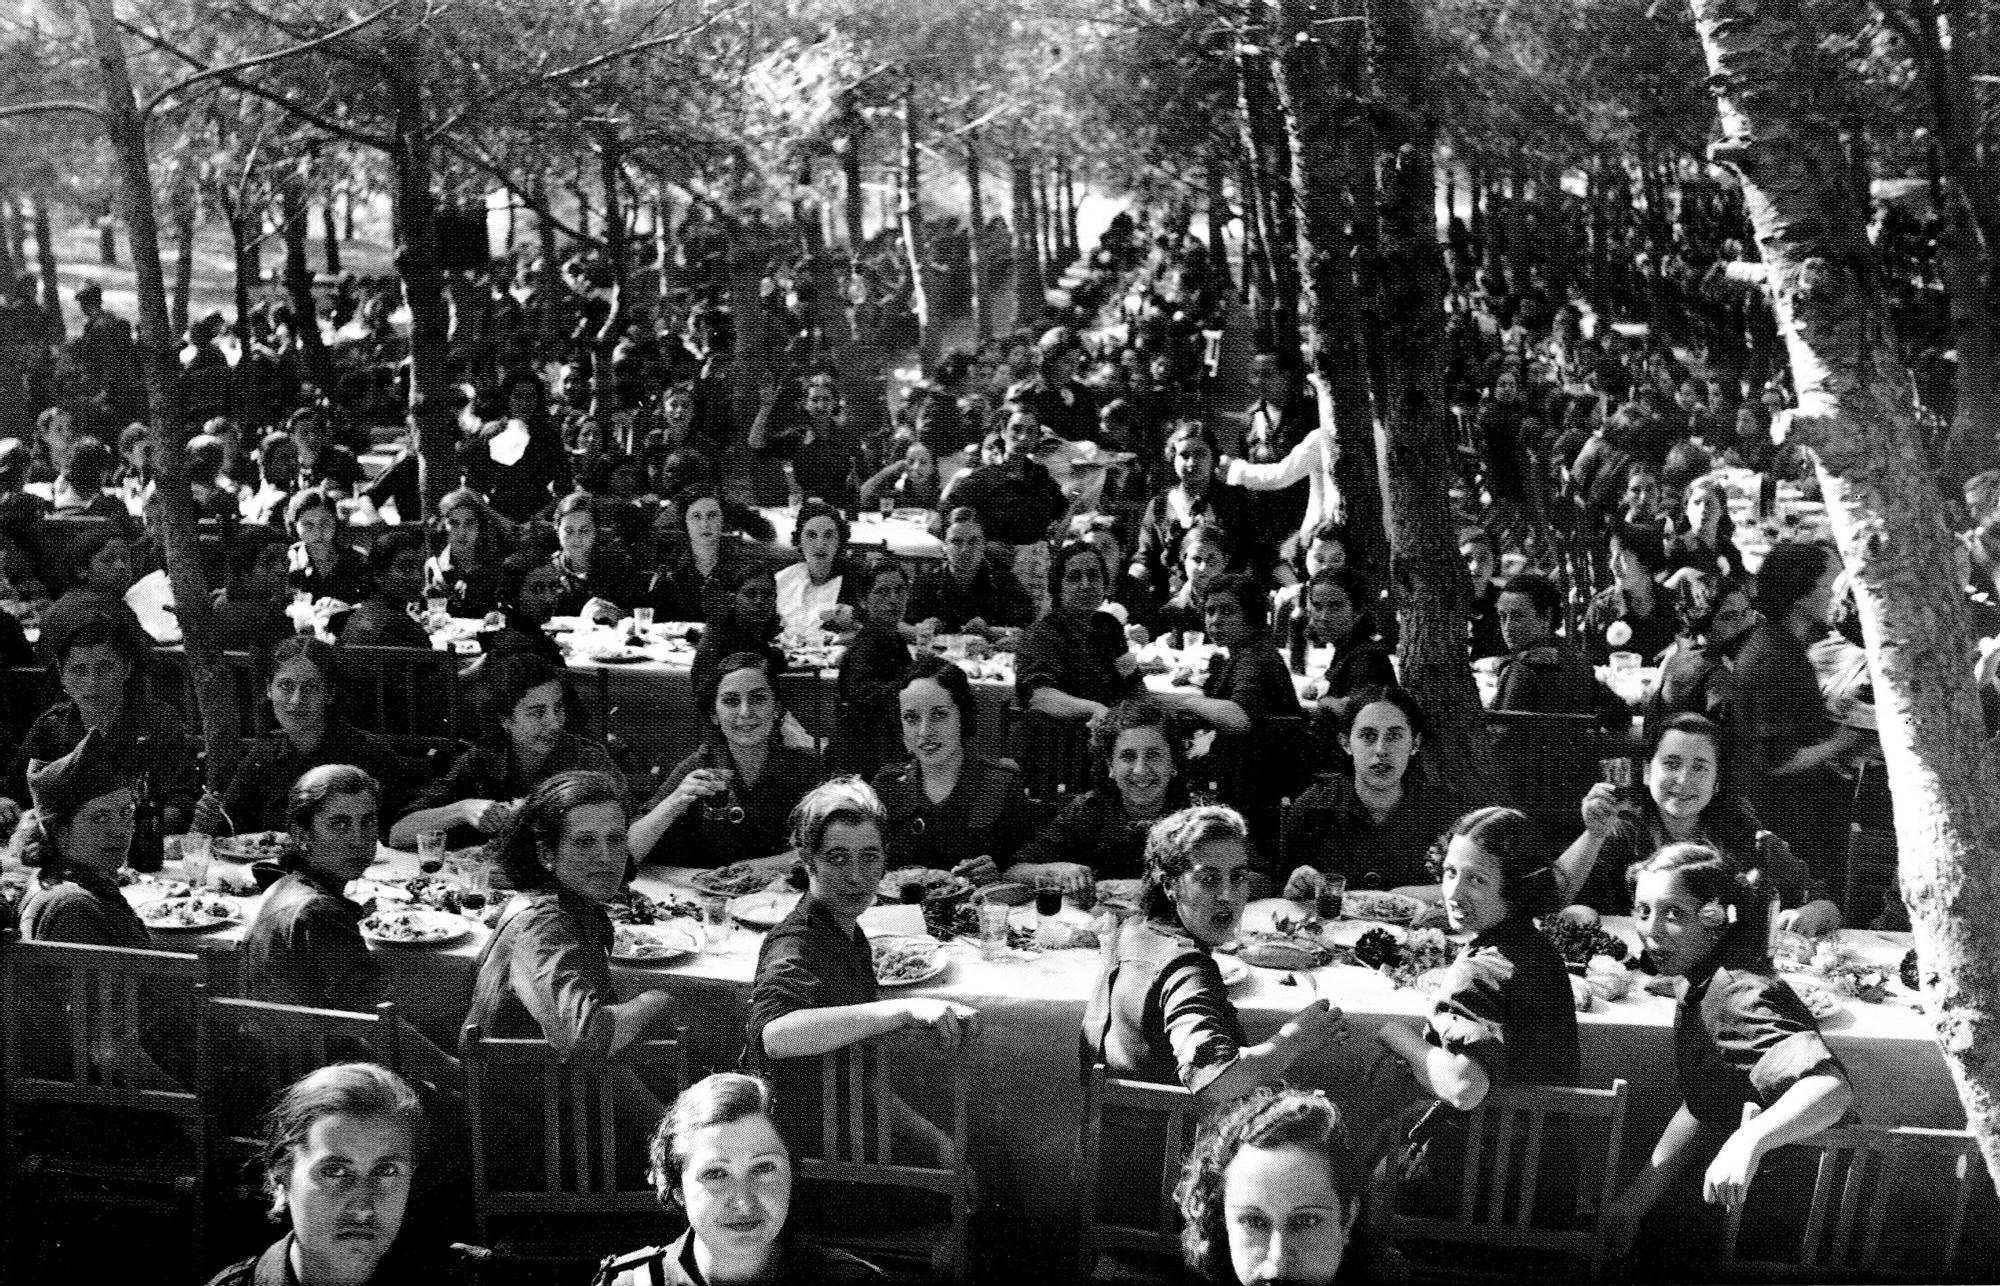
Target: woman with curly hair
[(1273, 1192), (1101, 835), (467, 571)]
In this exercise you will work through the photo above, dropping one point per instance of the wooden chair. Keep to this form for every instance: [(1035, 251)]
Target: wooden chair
[(399, 691), (66, 1011), (1502, 1175), (1131, 1245), (1928, 1178), (573, 1210), (1546, 762), (857, 1145), (1052, 752)]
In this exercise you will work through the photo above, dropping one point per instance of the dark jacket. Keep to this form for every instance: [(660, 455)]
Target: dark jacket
[(305, 948)]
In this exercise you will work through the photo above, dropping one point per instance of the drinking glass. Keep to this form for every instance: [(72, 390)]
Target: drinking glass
[(1617, 771), (430, 851), (886, 503), (642, 619), (715, 924), (196, 851), (993, 931), (1048, 896), (1331, 900), (439, 608), (1192, 639)]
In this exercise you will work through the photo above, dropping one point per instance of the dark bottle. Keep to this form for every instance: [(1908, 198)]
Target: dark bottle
[(148, 826), (1298, 640)]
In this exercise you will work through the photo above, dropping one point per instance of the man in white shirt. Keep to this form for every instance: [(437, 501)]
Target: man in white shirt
[(1312, 461)]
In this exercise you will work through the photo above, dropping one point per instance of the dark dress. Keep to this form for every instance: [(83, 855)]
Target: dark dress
[(1158, 548), (806, 962), (1742, 1035), (472, 591), (1074, 657), (1737, 835), (1773, 709), (546, 972), (273, 1267), (682, 593), (986, 814), (523, 489), (869, 733), (1016, 500), (1652, 634), (255, 800), (250, 624), (148, 737), (697, 840), (609, 578), (1330, 829), (381, 621), (993, 595), (1094, 830), (485, 773), (1159, 1011), (349, 580), (800, 1263), (1547, 677), (305, 948), (83, 907), (1255, 677)]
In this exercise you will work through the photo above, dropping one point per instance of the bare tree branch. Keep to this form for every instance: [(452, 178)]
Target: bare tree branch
[(53, 105), (485, 165), (251, 87), (223, 73)]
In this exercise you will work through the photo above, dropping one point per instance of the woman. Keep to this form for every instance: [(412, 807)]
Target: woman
[(718, 1156), (305, 698), (910, 481), (1375, 824), (546, 971), (1159, 1011), (818, 593), (524, 709), (1074, 663), (1684, 801), (1197, 496), (950, 808), (1273, 1192), (595, 581), (98, 662), (1635, 602), (340, 1159), (321, 564), (1336, 616), (1740, 1036), (815, 986), (815, 439), (1253, 685), (1204, 558), (305, 946), (699, 583), (98, 568), (748, 624), (517, 463), (1503, 1015), (1101, 835), (869, 732), (75, 839), (382, 619), (528, 588), (1707, 545), (733, 798), (467, 571)]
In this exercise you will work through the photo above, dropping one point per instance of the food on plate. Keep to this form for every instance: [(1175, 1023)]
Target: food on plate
[(256, 846), (921, 884), (904, 959), (1820, 1001), (651, 942), (1579, 914), (187, 913), (1122, 895), (634, 907), (1576, 942), (1833, 964), (1608, 978), (1277, 953), (1369, 904), (1405, 962), (737, 878), (413, 927)]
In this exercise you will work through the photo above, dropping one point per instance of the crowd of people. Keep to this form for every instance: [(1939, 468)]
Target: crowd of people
[(607, 467)]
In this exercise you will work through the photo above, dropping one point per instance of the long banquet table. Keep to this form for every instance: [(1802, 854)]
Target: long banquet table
[(1027, 1098)]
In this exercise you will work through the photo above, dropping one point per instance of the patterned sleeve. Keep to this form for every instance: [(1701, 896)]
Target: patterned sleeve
[(1469, 1015), (1200, 1022), (1759, 1024)]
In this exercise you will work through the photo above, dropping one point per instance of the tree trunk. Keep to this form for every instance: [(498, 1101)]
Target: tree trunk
[(1218, 225), (610, 152), (854, 136), (975, 243), (1854, 415), (1270, 155), (298, 280), (912, 212), (45, 251), (1971, 446), (1257, 287), (186, 208), (330, 235), (1028, 287), (1072, 239), (15, 232), (1317, 91), (10, 267), (1045, 245), (1428, 575), (214, 690), (243, 260), (423, 282)]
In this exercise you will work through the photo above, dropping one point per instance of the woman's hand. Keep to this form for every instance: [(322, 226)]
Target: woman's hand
[(1815, 919), (1727, 1182), (1603, 811), (1127, 665), (954, 1023), (697, 786), (488, 816), (1138, 635), (1097, 711), (1075, 876), (980, 870), (1303, 886), (208, 819), (1314, 1027)]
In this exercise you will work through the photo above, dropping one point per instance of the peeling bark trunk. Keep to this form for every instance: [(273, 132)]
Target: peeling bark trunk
[(214, 690), (1428, 575), (1854, 415), (1312, 84), (912, 213), (417, 262), (45, 251), (975, 242)]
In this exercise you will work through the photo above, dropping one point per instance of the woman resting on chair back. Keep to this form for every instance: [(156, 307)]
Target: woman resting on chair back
[(719, 1158)]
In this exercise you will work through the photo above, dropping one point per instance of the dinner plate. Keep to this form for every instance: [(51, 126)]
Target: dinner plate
[(738, 878), (415, 927), (651, 944), (255, 846), (1345, 933), (190, 914), (1233, 970), (764, 910), (1371, 904), (938, 885), (936, 964), (1826, 1006), (1261, 915)]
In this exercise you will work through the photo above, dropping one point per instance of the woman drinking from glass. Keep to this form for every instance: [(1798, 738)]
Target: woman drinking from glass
[(732, 799), (718, 1157), (524, 710), (1074, 663), (1101, 835), (950, 808)]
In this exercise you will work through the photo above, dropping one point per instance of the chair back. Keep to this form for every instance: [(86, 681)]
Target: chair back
[(259, 1047), (1052, 752), (1546, 762), (1503, 1173), (859, 1109), (1161, 1117), (1888, 1203), (399, 691), (575, 1111)]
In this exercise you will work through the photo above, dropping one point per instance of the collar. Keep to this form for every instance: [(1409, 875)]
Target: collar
[(274, 1266)]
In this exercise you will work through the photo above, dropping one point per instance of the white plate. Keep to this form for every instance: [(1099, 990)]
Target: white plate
[(1233, 970), (939, 962), (651, 944), (428, 928), (1346, 933), (1261, 914), (189, 915), (764, 910), (1825, 1005), (753, 875), (1390, 908)]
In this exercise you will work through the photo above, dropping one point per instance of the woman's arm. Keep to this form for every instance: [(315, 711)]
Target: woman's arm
[(476, 813), (1061, 705), (882, 477), (1309, 1029), (1217, 712), (1670, 1156), (1812, 1104), (804, 1033), (1458, 1079)]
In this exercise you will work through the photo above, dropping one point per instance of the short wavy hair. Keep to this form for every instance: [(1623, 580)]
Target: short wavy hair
[(1130, 715), (1172, 843), (1527, 880), (719, 1099), (1267, 1117), (929, 665), (309, 794), (539, 822), (847, 800), (1712, 875), (343, 1089)]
